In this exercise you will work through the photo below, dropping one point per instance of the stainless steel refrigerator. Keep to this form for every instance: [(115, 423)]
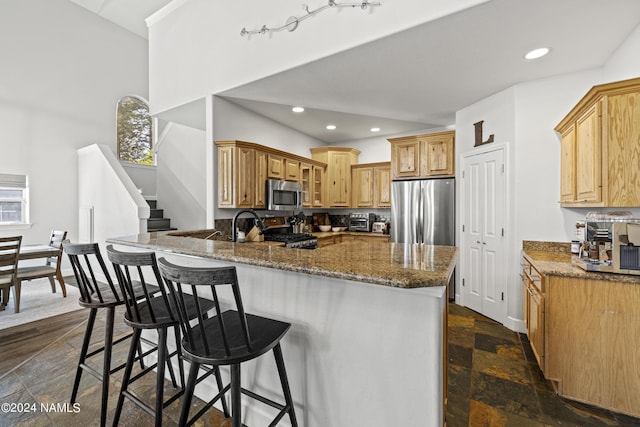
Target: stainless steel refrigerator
[(423, 211)]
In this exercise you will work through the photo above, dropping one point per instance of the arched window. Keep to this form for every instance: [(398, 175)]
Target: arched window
[(134, 131)]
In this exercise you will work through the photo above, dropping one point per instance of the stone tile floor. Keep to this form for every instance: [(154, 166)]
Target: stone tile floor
[(493, 379)]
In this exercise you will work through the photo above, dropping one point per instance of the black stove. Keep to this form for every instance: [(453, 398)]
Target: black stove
[(293, 240)]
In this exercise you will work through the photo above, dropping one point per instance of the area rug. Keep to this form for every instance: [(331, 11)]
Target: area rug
[(38, 302)]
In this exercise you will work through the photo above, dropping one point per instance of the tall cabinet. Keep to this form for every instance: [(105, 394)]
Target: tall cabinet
[(600, 147), (338, 176)]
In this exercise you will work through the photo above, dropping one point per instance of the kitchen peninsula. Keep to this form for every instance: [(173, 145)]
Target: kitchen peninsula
[(366, 347)]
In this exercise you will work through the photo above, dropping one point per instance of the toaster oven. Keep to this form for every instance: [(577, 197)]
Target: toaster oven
[(361, 221)]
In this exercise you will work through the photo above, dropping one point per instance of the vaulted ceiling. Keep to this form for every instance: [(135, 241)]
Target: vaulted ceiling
[(419, 78)]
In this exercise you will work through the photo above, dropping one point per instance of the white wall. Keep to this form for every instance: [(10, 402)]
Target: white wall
[(625, 61), (181, 171), (60, 80), (203, 36), (523, 118)]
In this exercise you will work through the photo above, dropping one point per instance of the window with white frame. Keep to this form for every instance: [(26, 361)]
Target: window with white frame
[(13, 199), (134, 127)]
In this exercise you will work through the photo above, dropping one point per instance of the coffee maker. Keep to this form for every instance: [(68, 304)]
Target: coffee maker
[(612, 243)]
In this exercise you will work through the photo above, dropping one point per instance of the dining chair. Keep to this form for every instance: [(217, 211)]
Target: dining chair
[(9, 253), (50, 269), (229, 338)]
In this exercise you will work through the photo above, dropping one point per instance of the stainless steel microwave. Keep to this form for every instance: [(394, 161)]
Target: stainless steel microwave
[(283, 195)]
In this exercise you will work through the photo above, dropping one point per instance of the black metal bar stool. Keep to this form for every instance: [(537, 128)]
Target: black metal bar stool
[(138, 275), (228, 338), (86, 261)]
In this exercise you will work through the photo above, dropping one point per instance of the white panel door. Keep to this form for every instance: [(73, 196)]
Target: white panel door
[(483, 197)]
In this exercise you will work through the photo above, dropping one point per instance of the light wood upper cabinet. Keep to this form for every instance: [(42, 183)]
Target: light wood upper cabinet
[(423, 156), (439, 154), (260, 178), (600, 148), (338, 173), (292, 170), (405, 155), (382, 187), (235, 177), (318, 191), (244, 167), (371, 185), (275, 166), (306, 177), (362, 186)]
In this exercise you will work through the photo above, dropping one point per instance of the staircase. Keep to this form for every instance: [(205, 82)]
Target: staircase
[(157, 221)]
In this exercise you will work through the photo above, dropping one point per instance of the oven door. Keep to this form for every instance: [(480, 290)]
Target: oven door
[(358, 224)]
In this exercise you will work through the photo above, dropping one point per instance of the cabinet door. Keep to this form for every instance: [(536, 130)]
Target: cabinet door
[(225, 176), (306, 176), (438, 155), (244, 177), (536, 324), (362, 187), (260, 188), (588, 156), (318, 187), (292, 170), (382, 187), (405, 159), (275, 167), (567, 165), (339, 185)]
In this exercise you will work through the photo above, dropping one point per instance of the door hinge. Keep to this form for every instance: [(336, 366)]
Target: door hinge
[(463, 282), (503, 168), (503, 232), (463, 228), (502, 296), (463, 174)]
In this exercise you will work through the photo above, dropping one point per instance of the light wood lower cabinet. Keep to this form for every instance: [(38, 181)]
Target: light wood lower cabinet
[(586, 333), (534, 310)]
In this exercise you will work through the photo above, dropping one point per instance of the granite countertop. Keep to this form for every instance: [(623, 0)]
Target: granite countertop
[(555, 259), (383, 263)]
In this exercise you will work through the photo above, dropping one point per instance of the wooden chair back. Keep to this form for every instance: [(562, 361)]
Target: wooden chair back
[(85, 258), (9, 254), (55, 241), (138, 276), (232, 330)]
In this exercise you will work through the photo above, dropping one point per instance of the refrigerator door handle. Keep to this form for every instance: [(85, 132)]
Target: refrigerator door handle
[(420, 222)]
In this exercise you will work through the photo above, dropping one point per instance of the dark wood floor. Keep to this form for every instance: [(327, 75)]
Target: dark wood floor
[(493, 379)]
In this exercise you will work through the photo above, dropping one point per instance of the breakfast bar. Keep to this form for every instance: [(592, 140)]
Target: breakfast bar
[(366, 347)]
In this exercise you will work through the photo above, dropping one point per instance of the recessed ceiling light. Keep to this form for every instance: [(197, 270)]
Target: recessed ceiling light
[(537, 53), (375, 129), (331, 127), (297, 109)]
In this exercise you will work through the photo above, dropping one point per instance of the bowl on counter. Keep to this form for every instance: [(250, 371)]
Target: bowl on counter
[(324, 227), (336, 229)]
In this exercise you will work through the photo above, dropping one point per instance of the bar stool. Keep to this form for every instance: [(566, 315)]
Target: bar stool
[(135, 273), (229, 338), (86, 261)]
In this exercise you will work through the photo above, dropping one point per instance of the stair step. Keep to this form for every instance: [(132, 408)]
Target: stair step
[(158, 223), (156, 213), (153, 204)]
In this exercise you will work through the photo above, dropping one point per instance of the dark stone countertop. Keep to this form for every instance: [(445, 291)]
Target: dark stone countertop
[(555, 259), (379, 262)]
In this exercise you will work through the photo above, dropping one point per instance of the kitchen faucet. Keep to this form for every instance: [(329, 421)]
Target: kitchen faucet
[(259, 223)]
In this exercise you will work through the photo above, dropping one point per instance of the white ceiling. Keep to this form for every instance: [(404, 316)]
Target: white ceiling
[(419, 78)]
